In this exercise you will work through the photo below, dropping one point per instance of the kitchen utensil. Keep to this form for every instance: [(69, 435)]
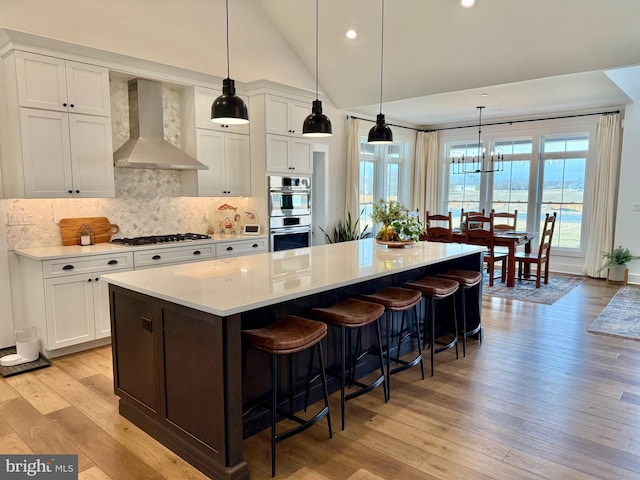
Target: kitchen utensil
[(100, 228)]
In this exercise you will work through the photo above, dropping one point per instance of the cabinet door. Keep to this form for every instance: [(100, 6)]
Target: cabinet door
[(237, 165), (70, 310), (41, 81), (278, 154), (301, 160), (45, 154), (298, 111), (87, 89), (101, 311), (210, 147), (91, 156), (277, 118), (204, 98)]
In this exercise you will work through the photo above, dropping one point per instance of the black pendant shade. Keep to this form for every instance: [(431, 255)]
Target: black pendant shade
[(380, 133), (229, 108), (317, 124)]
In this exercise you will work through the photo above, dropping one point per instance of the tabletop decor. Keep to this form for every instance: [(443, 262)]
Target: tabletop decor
[(398, 227)]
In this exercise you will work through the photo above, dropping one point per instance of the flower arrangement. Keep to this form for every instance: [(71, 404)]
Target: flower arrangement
[(396, 222)]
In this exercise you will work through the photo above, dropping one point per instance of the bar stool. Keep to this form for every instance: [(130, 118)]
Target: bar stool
[(348, 315), (399, 300), (287, 336), (435, 289), (467, 280)]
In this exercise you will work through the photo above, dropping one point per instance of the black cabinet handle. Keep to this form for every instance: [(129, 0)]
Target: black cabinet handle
[(72, 105), (197, 252), (89, 280), (97, 278), (255, 245), (147, 324), (77, 191), (68, 267), (70, 191), (112, 262), (64, 104), (229, 249), (156, 257)]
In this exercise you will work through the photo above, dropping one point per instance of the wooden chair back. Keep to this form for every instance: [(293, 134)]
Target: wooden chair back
[(505, 220), (439, 227), (480, 231), (546, 236), (464, 216)]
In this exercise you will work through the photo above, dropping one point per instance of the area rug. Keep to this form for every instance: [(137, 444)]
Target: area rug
[(41, 362), (621, 317), (559, 285)]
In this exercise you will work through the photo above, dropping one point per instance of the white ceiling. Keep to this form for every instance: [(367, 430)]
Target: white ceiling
[(531, 56)]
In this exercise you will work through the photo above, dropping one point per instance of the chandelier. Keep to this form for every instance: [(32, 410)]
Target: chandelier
[(479, 163)]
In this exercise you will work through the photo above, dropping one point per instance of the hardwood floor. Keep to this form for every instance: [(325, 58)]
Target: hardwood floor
[(541, 398)]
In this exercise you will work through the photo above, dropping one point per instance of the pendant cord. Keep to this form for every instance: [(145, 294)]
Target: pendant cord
[(382, 56), (480, 151), (316, 49), (228, 68)]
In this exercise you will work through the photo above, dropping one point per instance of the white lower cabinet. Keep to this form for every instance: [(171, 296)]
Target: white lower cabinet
[(67, 300)]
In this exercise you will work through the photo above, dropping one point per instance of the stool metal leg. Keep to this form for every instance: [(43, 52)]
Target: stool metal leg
[(342, 367), (325, 391), (274, 402)]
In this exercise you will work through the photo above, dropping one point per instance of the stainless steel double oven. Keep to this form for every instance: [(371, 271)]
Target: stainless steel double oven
[(289, 212)]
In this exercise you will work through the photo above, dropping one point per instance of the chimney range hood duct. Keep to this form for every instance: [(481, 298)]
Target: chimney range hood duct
[(147, 147)]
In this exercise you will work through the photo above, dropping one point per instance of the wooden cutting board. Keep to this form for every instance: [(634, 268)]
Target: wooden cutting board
[(100, 228)]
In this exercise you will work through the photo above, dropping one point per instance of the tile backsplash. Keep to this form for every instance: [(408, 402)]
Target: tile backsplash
[(146, 202)]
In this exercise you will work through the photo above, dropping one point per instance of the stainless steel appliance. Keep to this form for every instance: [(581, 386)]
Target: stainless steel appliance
[(158, 239), (289, 232), (289, 212), (289, 196)]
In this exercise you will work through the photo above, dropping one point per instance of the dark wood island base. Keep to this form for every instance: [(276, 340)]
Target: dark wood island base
[(178, 369)]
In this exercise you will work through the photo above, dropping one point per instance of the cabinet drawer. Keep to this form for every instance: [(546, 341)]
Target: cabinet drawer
[(166, 256), (75, 265), (240, 247)]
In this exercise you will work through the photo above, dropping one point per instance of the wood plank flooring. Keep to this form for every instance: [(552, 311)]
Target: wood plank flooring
[(541, 398)]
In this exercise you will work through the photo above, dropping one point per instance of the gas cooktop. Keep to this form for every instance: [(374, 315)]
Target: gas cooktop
[(153, 239)]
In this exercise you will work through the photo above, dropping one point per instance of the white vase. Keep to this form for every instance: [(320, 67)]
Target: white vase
[(617, 273)]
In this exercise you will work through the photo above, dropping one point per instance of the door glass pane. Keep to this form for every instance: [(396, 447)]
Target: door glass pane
[(511, 190)]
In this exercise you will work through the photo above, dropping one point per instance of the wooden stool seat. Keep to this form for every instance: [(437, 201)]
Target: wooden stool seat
[(288, 335), (437, 287), (350, 313), (467, 279), (394, 298)]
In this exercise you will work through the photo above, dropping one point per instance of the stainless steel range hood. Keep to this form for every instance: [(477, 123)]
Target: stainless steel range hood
[(147, 147)]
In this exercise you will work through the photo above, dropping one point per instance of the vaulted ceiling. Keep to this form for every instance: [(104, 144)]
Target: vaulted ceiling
[(529, 56)]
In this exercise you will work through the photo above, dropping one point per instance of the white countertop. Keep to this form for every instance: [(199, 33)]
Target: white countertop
[(60, 251), (229, 286)]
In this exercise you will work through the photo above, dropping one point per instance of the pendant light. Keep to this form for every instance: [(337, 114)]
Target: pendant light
[(229, 108), (316, 124), (380, 133)]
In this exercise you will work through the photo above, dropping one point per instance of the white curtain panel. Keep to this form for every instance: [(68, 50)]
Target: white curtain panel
[(426, 179), (602, 215), (353, 169)]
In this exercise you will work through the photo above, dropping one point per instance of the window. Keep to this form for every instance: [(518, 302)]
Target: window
[(544, 171), (382, 175), (564, 162)]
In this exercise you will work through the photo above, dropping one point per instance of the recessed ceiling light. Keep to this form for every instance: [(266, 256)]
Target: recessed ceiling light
[(467, 3), (351, 34)]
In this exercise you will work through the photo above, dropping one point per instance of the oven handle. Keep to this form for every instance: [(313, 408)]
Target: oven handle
[(290, 230)]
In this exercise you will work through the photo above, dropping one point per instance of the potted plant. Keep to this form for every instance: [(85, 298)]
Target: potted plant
[(617, 261), (345, 231), (396, 222)]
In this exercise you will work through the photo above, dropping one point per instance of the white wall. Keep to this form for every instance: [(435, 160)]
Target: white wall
[(627, 231)]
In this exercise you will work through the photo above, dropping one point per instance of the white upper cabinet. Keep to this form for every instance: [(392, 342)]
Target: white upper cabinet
[(228, 158), (62, 85), (289, 155), (285, 116), (204, 98)]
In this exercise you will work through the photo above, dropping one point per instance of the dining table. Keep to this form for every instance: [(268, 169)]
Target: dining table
[(506, 238)]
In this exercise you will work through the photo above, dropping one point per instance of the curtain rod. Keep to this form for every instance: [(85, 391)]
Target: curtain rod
[(506, 122)]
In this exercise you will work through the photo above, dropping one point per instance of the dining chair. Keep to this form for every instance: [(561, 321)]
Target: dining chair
[(508, 221), (464, 216), (439, 227), (483, 233), (542, 256)]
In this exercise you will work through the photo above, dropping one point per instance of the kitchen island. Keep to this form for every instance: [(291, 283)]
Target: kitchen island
[(177, 349)]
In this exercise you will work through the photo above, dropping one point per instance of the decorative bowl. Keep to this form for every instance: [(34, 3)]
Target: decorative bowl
[(395, 243)]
